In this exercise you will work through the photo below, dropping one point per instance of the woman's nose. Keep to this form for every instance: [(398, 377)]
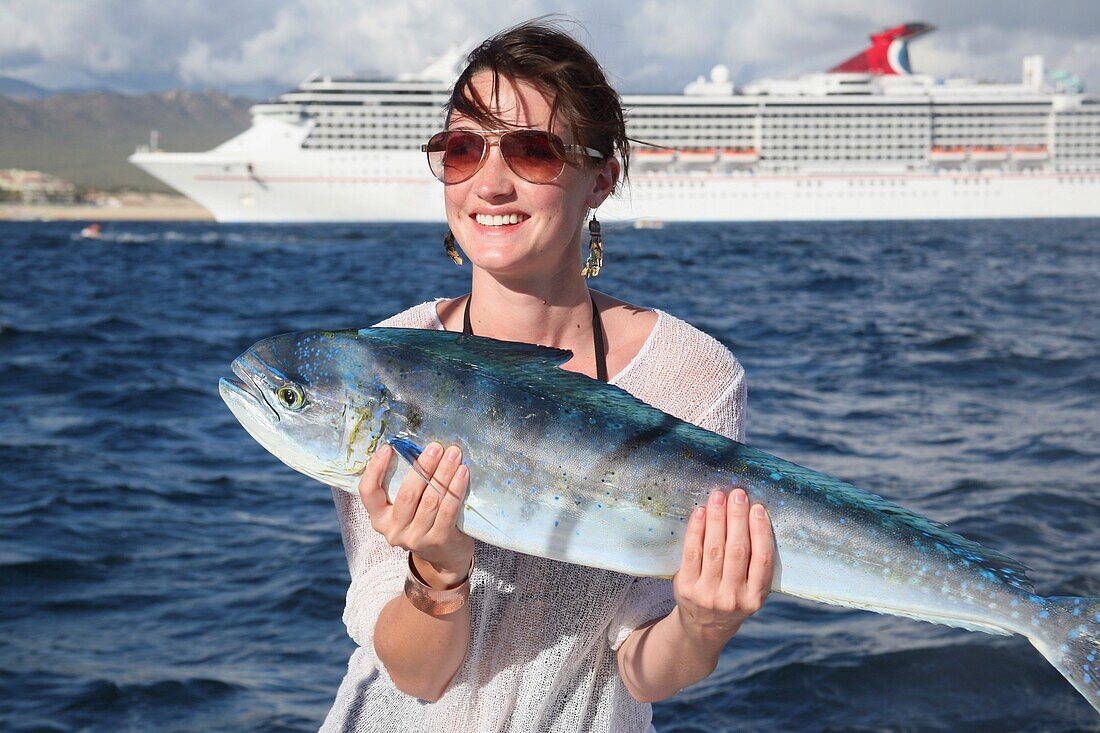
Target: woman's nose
[(495, 179)]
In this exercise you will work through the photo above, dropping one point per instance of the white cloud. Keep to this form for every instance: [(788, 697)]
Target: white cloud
[(648, 45)]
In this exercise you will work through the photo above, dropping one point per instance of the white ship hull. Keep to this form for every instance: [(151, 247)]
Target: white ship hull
[(395, 187), (875, 144)]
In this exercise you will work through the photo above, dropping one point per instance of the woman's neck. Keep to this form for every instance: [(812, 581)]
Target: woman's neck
[(553, 310)]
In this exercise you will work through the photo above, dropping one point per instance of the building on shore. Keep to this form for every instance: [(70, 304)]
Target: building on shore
[(35, 187)]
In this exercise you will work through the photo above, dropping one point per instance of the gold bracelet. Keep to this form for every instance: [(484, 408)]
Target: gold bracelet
[(432, 601)]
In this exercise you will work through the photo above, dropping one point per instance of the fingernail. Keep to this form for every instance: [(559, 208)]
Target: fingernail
[(717, 498), (433, 450), (740, 496), (760, 512), (451, 453), (383, 450), (698, 512), (462, 472)]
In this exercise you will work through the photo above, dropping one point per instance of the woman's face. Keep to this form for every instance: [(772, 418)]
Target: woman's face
[(550, 215)]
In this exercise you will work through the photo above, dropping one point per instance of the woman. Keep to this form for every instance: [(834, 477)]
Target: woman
[(483, 638)]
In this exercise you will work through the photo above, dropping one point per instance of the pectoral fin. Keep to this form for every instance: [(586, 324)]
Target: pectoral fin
[(410, 451)]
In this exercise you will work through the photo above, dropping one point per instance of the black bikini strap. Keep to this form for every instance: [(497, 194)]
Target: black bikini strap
[(466, 327), (597, 336), (597, 343)]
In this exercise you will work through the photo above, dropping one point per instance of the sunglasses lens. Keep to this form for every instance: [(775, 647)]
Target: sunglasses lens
[(533, 155), (454, 155)]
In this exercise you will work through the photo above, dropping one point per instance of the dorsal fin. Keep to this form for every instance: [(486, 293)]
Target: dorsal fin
[(536, 368), (469, 349), (991, 563)]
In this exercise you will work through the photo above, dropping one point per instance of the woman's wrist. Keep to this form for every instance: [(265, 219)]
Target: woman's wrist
[(702, 635), (440, 578)]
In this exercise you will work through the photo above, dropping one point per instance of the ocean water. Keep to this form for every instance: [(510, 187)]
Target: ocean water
[(160, 571)]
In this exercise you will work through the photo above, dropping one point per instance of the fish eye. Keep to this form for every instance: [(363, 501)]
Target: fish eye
[(290, 395)]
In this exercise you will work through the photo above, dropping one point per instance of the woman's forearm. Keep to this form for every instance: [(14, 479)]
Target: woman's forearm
[(724, 577), (659, 660), (421, 652)]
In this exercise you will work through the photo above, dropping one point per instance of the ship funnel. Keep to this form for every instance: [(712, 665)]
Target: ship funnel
[(1033, 72), (888, 54)]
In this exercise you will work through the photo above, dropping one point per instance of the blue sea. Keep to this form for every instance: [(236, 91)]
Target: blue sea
[(160, 571)]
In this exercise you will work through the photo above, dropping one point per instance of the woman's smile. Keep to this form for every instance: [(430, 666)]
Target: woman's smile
[(499, 221)]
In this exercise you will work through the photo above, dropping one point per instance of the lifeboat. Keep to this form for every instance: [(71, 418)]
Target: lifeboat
[(739, 155), (947, 154), (989, 154), (697, 155), (1030, 152), (654, 156)]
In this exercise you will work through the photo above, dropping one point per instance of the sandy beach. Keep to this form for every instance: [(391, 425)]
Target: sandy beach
[(120, 207)]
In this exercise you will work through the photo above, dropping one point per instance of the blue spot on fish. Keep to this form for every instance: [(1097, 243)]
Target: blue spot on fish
[(776, 476)]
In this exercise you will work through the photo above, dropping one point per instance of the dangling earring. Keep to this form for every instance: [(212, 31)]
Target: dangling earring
[(595, 250), (449, 246)]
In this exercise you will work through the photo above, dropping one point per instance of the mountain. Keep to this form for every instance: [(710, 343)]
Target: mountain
[(86, 137), (19, 89)]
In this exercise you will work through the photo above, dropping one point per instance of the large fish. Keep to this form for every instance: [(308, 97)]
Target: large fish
[(569, 468)]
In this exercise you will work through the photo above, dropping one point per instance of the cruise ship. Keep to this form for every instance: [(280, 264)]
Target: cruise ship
[(867, 140)]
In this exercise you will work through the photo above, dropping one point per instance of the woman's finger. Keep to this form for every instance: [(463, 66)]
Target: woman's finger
[(412, 488), (738, 542), (435, 494), (714, 541), (692, 559), (762, 566), (457, 483), (370, 483)]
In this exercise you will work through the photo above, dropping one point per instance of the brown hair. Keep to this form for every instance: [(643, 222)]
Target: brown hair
[(543, 55)]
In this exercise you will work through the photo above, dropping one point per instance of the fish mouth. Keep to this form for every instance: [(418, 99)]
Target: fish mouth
[(247, 390)]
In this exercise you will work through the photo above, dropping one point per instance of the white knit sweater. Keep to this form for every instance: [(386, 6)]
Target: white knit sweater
[(543, 633)]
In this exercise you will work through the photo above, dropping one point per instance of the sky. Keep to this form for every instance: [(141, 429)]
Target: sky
[(259, 48)]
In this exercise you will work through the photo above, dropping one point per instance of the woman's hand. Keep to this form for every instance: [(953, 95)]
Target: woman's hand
[(421, 520), (726, 570)]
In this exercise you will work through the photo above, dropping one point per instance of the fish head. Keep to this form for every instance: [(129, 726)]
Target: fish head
[(313, 401)]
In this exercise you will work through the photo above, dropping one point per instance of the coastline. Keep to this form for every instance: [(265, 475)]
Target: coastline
[(121, 207)]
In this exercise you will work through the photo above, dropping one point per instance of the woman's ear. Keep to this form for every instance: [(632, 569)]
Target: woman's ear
[(603, 185)]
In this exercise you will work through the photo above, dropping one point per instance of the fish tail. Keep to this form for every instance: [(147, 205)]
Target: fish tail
[(1066, 630)]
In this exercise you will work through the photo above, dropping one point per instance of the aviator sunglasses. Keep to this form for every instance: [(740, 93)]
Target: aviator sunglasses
[(536, 156)]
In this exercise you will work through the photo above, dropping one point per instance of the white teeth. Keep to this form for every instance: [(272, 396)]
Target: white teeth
[(497, 220)]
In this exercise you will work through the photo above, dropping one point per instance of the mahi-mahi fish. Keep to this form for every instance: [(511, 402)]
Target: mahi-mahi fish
[(569, 468)]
